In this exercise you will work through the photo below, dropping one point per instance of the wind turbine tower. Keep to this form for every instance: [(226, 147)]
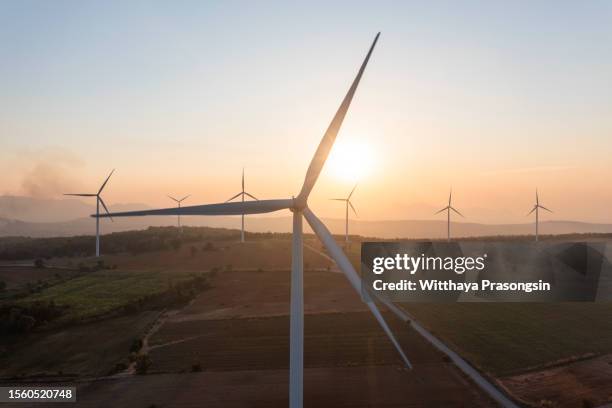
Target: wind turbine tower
[(242, 194), (98, 202), (347, 203), (536, 208), (178, 203), (448, 210)]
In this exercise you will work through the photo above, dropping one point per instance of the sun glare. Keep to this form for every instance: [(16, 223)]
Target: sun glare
[(351, 161)]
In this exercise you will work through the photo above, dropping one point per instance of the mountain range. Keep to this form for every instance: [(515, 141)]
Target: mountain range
[(26, 216)]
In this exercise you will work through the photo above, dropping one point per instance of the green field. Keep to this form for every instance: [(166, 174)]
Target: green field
[(506, 338), (98, 293)]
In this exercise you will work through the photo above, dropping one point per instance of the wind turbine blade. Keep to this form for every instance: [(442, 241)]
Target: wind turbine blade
[(106, 181), (327, 142), (537, 198), (347, 268), (544, 208), (236, 196), (353, 208), (105, 208), (184, 198), (450, 195), (243, 179), (444, 209), (172, 198), (352, 191), (532, 210), (80, 195), (235, 208), (453, 208), (252, 196), (338, 199)]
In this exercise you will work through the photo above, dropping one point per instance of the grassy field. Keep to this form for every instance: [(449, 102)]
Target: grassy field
[(101, 292), (506, 338), (510, 338)]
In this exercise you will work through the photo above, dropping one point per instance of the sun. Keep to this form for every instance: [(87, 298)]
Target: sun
[(351, 160)]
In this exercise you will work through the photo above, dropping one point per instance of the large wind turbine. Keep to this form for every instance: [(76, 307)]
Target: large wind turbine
[(299, 207), (536, 208), (242, 194), (448, 210), (178, 203), (98, 202), (347, 203)]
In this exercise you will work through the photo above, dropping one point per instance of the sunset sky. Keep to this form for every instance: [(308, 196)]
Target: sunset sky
[(493, 98)]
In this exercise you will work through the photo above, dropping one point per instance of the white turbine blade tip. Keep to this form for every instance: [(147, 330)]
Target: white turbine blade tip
[(455, 210), (381, 320), (106, 181), (327, 142), (349, 272), (236, 196)]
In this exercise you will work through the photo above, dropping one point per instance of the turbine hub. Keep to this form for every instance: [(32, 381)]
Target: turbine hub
[(297, 204)]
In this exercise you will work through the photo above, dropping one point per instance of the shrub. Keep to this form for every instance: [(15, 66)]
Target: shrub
[(2, 285), (136, 345), (176, 244), (39, 263), (143, 363), (23, 318), (119, 367), (196, 368)]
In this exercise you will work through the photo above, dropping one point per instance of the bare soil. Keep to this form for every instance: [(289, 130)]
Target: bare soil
[(365, 386), (572, 385), (253, 255), (236, 294)]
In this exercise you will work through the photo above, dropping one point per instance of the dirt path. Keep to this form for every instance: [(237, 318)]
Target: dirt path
[(145, 348)]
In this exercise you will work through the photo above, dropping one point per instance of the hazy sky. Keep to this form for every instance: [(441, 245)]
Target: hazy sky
[(493, 98)]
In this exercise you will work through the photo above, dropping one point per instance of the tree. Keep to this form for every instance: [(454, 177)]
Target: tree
[(2, 285), (39, 263), (176, 244), (143, 362)]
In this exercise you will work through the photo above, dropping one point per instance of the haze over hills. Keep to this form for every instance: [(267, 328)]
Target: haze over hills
[(50, 210), (25, 216)]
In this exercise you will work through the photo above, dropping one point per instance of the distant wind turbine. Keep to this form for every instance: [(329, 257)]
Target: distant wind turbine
[(536, 208), (448, 209), (299, 207), (178, 202), (242, 194), (98, 202), (347, 202)]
